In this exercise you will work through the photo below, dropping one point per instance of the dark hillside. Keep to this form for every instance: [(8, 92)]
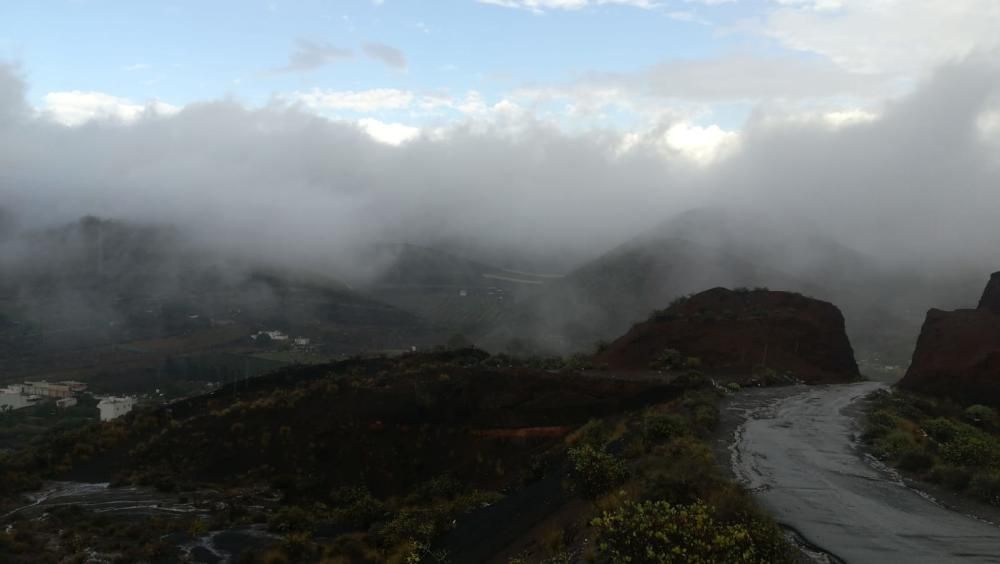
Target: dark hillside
[(741, 333)]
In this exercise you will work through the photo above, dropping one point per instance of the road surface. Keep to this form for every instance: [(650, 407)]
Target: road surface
[(795, 451)]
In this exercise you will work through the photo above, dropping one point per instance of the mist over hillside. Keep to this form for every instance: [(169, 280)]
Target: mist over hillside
[(860, 213)]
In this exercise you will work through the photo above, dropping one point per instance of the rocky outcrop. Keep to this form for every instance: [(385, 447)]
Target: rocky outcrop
[(739, 332), (958, 352), (991, 296)]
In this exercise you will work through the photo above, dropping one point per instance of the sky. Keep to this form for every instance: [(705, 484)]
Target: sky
[(398, 67), (564, 126)]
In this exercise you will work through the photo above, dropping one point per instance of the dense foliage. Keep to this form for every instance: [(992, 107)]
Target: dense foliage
[(937, 440), (657, 532)]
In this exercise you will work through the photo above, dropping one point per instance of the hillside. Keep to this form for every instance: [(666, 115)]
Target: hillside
[(742, 334), (70, 292), (452, 455), (727, 247), (958, 352), (456, 294)]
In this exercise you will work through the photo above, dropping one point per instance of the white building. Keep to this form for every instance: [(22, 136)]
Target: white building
[(114, 407), (13, 398), (273, 335), (65, 402), (48, 389)]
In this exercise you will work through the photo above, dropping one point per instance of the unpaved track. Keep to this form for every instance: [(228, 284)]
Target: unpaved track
[(796, 452)]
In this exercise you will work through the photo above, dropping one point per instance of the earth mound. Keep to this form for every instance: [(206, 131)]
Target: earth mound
[(958, 352), (741, 332)]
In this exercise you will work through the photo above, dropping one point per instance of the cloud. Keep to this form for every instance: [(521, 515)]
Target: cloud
[(309, 56), (539, 6), (282, 184), (365, 101), (390, 56), (389, 133), (740, 77), (76, 107), (887, 36)]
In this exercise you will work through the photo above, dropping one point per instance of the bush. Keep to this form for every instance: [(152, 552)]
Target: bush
[(668, 359), (976, 450), (986, 486), (595, 472), (661, 428), (660, 533), (895, 443), (981, 415), (954, 477), (356, 507), (944, 430), (915, 460)]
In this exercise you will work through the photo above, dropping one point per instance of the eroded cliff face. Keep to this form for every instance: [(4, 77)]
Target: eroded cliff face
[(991, 296), (958, 352), (738, 332)]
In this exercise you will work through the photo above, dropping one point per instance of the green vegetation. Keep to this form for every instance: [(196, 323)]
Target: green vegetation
[(393, 455), (938, 441), (595, 472), (657, 532)]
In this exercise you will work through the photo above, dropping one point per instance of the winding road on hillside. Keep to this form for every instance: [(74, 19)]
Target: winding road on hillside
[(795, 451)]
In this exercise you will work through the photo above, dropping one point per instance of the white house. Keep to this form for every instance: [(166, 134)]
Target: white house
[(65, 402), (114, 407), (13, 398)]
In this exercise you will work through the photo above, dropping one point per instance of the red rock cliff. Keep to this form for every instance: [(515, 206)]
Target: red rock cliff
[(733, 332), (958, 352)]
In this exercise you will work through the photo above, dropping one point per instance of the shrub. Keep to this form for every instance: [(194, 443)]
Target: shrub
[(895, 443), (981, 415), (667, 359), (356, 507), (970, 449), (945, 430), (661, 533), (986, 486), (595, 472), (915, 460), (954, 477), (659, 428)]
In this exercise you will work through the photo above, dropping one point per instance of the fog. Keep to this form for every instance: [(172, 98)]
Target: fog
[(917, 184)]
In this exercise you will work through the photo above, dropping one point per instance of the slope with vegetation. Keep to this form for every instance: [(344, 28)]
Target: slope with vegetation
[(452, 456)]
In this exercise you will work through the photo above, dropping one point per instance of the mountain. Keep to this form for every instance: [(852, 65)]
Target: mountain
[(70, 292), (727, 247), (958, 352), (455, 293), (742, 334)]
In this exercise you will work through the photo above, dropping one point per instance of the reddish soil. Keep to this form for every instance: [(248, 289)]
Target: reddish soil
[(736, 332), (958, 352)]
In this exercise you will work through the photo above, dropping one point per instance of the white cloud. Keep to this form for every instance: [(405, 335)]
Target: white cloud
[(76, 107), (702, 145), (388, 133), (363, 101), (539, 6), (887, 36)]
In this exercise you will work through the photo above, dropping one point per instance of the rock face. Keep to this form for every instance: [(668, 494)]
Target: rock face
[(958, 352), (736, 332), (991, 296)]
